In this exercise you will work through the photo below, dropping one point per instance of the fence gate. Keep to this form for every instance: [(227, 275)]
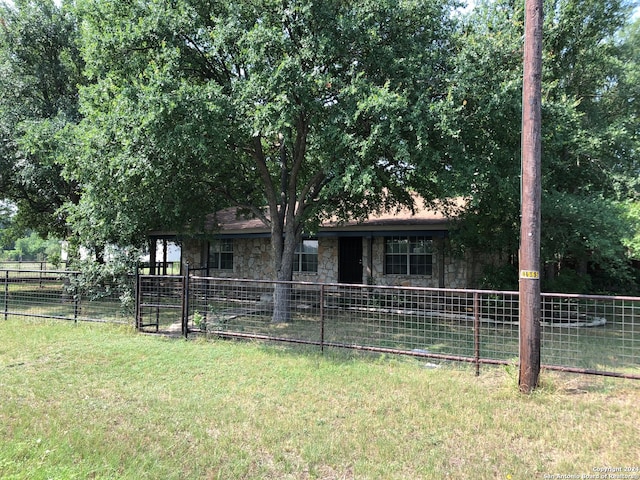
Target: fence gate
[(161, 303)]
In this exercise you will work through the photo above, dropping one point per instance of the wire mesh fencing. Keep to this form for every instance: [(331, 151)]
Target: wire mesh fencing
[(65, 295), (579, 333), (246, 308), (591, 333), (470, 326), (160, 304), (586, 334)]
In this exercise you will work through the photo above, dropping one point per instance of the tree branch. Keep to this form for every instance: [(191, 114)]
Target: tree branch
[(210, 68), (261, 163)]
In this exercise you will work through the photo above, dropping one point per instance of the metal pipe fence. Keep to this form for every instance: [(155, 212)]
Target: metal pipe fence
[(579, 333), (64, 295), (160, 304), (591, 334)]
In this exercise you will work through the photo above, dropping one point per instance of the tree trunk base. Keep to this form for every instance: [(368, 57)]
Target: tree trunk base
[(281, 303)]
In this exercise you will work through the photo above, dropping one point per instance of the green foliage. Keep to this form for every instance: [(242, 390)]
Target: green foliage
[(33, 247), (310, 109), (6, 223), (568, 281), (200, 321), (500, 277), (119, 118), (113, 278), (40, 71), (631, 238), (583, 228), (590, 131)]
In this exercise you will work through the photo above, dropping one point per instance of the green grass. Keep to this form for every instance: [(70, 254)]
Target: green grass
[(99, 401)]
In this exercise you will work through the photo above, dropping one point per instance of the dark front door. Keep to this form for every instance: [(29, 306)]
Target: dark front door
[(350, 260)]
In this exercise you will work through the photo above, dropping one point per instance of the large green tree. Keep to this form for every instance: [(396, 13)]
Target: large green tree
[(40, 70), (290, 110), (6, 222), (590, 131)]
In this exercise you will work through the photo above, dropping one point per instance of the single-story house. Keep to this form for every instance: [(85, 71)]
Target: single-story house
[(397, 248)]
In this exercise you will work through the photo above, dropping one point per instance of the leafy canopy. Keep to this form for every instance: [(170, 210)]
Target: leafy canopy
[(306, 108), (590, 130), (40, 70)]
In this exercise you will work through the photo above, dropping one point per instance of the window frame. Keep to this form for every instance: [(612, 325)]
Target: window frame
[(401, 257), (301, 258), (223, 256)]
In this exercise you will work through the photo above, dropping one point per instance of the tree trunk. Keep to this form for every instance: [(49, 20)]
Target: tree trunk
[(284, 248), (152, 256), (281, 303)]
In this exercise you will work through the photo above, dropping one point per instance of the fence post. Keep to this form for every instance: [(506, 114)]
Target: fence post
[(206, 298), (322, 318), (185, 303), (6, 294), (476, 332), (76, 299), (136, 293)]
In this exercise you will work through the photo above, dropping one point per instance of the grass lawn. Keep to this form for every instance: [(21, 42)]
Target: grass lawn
[(100, 401)]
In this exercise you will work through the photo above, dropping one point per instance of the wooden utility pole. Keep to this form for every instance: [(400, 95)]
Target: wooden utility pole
[(529, 283)]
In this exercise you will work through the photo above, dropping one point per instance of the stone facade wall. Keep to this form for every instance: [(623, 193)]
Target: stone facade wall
[(192, 254), (252, 259), (327, 263)]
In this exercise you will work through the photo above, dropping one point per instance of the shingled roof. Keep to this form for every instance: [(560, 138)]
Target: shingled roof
[(229, 221)]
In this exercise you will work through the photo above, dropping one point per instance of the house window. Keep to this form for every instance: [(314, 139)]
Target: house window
[(221, 255), (305, 258), (408, 256)]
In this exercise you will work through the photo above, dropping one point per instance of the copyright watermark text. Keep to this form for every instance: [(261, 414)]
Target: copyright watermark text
[(599, 473)]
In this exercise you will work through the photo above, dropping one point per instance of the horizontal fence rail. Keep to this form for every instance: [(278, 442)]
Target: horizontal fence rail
[(31, 265), (65, 295)]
